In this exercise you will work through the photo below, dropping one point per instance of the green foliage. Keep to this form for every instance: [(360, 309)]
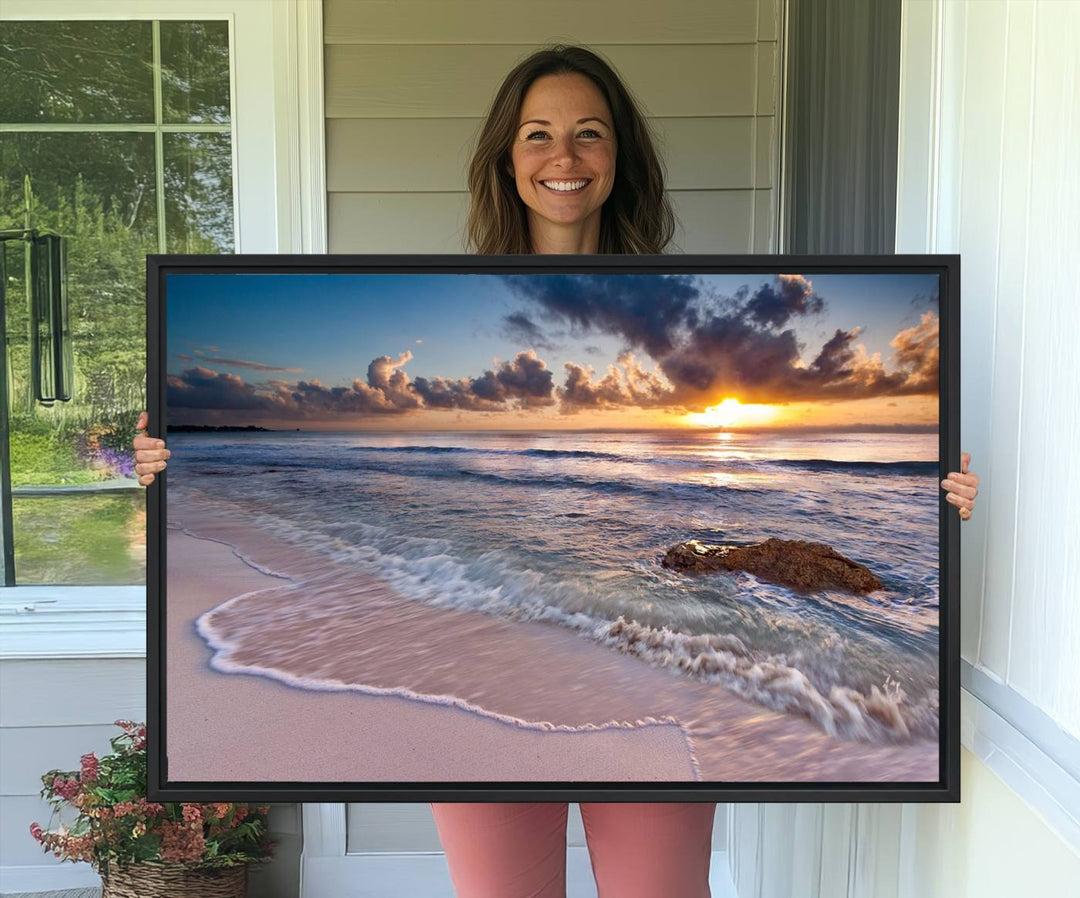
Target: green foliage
[(116, 824)]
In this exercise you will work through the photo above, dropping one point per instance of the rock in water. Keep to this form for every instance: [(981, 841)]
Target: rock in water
[(795, 563)]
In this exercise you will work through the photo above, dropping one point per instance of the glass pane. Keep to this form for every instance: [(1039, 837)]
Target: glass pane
[(76, 72), (198, 193), (81, 540), (97, 190), (195, 71)]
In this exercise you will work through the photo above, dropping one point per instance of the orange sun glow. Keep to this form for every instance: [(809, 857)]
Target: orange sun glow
[(732, 413)]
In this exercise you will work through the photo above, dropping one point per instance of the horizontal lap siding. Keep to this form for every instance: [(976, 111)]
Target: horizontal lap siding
[(524, 22), (408, 84), (53, 712)]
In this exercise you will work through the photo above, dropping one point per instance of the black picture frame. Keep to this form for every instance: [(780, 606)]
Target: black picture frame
[(945, 789)]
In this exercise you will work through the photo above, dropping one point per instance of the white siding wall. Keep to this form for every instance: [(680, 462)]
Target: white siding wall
[(408, 82), (53, 712)]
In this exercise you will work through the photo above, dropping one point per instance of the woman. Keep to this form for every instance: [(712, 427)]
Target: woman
[(565, 164)]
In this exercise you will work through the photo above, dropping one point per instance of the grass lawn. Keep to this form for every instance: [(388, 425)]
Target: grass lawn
[(81, 539)]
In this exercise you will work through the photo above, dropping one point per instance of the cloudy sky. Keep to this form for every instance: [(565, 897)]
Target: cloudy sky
[(544, 351)]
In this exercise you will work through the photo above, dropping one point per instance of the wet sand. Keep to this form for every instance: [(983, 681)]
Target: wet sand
[(410, 692)]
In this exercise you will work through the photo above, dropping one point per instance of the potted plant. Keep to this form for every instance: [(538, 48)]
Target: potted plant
[(141, 847)]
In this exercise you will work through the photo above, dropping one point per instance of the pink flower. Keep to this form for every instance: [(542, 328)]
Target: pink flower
[(221, 808), (35, 831), (89, 767), (150, 808), (181, 841), (192, 813), (66, 789)]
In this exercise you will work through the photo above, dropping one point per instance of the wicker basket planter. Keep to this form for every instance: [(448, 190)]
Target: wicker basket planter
[(171, 880)]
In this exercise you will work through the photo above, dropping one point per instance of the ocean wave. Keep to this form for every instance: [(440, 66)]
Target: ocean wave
[(555, 479), (476, 450), (704, 462), (426, 569), (886, 714), (902, 468)]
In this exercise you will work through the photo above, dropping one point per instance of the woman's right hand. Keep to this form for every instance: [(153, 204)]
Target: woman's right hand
[(150, 453)]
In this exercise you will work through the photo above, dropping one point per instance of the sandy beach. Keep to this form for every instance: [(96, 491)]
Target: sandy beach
[(405, 691)]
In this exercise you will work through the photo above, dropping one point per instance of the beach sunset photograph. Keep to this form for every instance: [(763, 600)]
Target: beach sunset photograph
[(552, 527)]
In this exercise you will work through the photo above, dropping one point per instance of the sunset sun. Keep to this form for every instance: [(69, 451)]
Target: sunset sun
[(731, 413)]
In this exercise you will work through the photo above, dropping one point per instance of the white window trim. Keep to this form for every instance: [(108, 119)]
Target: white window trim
[(279, 206)]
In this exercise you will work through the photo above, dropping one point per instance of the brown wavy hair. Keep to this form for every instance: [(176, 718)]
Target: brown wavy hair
[(637, 216)]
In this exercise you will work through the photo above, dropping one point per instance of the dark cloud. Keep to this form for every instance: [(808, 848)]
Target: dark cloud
[(646, 310), (726, 355), (201, 387), (773, 305), (522, 329), (526, 382), (239, 363), (707, 346), (626, 384)]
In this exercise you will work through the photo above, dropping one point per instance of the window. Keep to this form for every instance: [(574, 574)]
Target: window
[(116, 135)]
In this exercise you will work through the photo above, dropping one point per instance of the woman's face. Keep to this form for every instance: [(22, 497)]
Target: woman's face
[(563, 154)]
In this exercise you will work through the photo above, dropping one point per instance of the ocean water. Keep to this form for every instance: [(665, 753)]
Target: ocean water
[(570, 528)]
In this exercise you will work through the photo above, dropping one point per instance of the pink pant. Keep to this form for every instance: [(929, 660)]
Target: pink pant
[(518, 850)]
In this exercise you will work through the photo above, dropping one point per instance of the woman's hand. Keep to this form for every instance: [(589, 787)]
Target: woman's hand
[(962, 487), (150, 453)]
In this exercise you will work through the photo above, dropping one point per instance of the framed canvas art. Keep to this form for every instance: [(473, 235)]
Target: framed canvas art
[(587, 528)]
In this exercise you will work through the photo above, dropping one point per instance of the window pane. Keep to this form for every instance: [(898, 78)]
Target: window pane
[(76, 72), (195, 72), (82, 540), (198, 193), (99, 191)]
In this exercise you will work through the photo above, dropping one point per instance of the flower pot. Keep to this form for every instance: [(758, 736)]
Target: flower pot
[(173, 880)]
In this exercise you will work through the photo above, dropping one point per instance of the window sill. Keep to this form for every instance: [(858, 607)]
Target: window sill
[(73, 622)]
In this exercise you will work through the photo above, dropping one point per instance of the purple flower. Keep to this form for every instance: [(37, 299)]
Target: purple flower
[(122, 464)]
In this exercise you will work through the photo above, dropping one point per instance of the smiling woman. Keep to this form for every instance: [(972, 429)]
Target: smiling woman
[(564, 165), (563, 116)]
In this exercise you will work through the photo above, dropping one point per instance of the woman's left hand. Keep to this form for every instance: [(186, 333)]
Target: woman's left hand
[(962, 487)]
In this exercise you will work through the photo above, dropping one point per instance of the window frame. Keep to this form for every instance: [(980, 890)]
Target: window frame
[(276, 61)]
